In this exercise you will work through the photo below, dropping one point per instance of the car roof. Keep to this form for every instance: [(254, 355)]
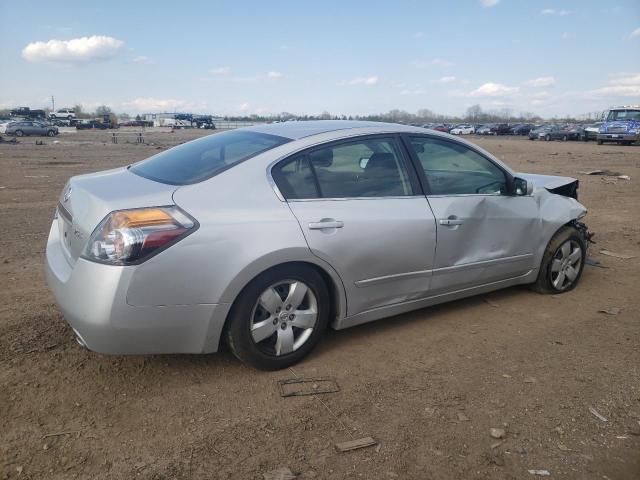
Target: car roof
[(301, 129)]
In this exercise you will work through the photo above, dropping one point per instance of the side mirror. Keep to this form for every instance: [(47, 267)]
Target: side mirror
[(522, 187)]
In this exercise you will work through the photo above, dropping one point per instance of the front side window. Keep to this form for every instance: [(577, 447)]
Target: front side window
[(198, 160), (454, 169), (372, 167)]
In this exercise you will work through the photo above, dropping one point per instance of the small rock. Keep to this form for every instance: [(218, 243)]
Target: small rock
[(19, 469), (45, 447), (280, 473), (559, 430), (563, 447), (497, 432), (530, 380), (496, 444), (462, 417)]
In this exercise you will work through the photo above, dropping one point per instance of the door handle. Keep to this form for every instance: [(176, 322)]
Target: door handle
[(451, 221), (328, 223)]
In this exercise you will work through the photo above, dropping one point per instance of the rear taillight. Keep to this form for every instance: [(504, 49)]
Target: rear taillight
[(127, 237)]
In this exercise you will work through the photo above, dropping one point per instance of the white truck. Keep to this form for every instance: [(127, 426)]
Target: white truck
[(621, 125)]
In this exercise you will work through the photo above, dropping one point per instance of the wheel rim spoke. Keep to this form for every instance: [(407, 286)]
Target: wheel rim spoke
[(297, 291), (262, 330), (304, 319), (284, 343), (270, 301), (559, 281), (566, 250), (556, 266), (575, 255), (571, 273)]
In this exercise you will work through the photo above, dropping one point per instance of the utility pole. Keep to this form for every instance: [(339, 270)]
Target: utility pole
[(53, 104)]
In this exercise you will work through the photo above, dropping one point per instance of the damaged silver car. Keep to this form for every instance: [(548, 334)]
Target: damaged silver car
[(267, 235)]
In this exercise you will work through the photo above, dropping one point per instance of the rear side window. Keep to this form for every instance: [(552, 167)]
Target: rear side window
[(371, 167), (195, 161)]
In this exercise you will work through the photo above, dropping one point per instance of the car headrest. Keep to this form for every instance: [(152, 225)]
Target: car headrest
[(381, 161), (322, 158)]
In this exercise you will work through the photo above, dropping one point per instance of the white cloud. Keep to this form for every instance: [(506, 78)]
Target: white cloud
[(628, 86), (489, 3), (635, 33), (273, 74), (243, 107), (142, 59), (220, 71), (438, 62), (559, 13), (494, 90), (448, 79), (73, 52), (150, 104), (370, 80), (541, 82), (418, 35)]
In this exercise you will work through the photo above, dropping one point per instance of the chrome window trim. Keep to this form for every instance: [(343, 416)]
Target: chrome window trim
[(341, 199)]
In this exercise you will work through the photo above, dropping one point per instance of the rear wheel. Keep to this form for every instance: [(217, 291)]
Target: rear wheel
[(562, 262), (51, 133), (565, 138), (279, 317), (547, 137), (19, 133), (599, 142)]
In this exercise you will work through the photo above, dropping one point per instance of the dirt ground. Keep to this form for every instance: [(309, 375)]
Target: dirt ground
[(428, 385)]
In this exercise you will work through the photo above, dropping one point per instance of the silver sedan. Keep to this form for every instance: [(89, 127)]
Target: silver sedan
[(265, 236)]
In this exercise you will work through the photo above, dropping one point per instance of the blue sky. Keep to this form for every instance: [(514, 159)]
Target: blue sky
[(552, 57)]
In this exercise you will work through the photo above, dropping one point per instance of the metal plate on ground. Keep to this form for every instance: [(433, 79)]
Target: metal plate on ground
[(299, 387)]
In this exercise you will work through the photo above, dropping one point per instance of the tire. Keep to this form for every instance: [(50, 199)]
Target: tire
[(261, 311), (547, 138), (565, 138), (599, 142), (19, 133), (51, 133), (558, 261)]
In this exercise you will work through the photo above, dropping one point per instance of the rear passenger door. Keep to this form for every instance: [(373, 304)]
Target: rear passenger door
[(360, 208)]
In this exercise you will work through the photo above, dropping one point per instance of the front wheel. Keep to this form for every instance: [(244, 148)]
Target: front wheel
[(279, 317), (19, 133), (547, 138), (599, 142), (51, 133), (562, 262)]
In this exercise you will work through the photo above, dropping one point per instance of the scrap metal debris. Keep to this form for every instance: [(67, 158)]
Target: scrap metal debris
[(597, 415), (542, 473), (617, 255), (355, 444), (593, 263), (611, 310), (298, 387), (606, 173)]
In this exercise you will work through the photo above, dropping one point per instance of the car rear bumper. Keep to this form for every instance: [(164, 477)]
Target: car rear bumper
[(618, 137), (93, 300)]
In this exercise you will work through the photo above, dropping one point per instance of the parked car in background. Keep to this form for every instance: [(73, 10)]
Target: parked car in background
[(63, 113), (523, 129), (540, 132), (591, 131), (91, 125), (237, 236), (28, 127), (485, 129), (440, 127), (502, 129), (463, 129), (573, 132)]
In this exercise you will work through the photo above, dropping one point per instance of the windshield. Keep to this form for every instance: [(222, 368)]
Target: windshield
[(195, 161), (622, 115)]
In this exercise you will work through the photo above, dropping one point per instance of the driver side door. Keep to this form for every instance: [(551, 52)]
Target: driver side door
[(484, 234)]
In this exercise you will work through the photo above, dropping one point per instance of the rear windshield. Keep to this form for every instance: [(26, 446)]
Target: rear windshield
[(195, 161)]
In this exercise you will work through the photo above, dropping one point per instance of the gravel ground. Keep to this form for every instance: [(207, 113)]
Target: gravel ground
[(427, 385)]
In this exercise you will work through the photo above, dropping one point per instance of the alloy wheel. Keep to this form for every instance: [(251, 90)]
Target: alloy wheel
[(284, 317), (566, 265)]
